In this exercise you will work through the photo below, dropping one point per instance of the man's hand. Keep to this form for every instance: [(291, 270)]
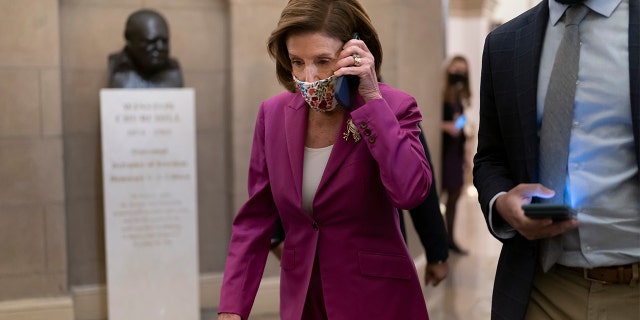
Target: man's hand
[(435, 272), (509, 207), (277, 250), (229, 316)]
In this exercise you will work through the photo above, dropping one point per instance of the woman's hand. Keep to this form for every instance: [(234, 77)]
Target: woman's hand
[(449, 127), (355, 59), (229, 316)]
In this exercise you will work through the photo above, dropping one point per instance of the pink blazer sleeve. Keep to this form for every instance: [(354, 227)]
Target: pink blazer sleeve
[(390, 129), (251, 234)]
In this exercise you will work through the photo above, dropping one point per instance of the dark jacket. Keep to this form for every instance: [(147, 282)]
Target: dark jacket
[(508, 141)]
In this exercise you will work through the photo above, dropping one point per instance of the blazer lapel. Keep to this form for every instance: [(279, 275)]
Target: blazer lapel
[(634, 71), (342, 147), (295, 124), (528, 49)]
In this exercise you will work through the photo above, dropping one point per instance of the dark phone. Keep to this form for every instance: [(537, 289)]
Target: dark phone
[(345, 85), (548, 211)]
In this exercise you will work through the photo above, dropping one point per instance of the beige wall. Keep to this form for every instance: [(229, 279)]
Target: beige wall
[(51, 216), (32, 208)]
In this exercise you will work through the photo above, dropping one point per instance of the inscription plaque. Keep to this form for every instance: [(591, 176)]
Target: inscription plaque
[(150, 203)]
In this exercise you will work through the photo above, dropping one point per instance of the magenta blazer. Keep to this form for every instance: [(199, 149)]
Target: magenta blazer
[(364, 264)]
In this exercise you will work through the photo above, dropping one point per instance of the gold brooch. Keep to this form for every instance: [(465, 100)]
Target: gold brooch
[(351, 130)]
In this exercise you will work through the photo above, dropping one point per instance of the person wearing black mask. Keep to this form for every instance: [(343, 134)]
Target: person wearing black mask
[(581, 58), (456, 96), (145, 62)]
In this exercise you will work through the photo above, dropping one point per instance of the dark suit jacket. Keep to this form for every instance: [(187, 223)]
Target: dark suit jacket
[(508, 141), (427, 220)]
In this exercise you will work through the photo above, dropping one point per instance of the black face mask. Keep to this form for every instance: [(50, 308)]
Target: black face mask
[(570, 1), (457, 78)]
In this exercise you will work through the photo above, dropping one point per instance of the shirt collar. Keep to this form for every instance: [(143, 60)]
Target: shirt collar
[(602, 7)]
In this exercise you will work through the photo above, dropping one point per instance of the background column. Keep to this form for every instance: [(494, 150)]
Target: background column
[(33, 255)]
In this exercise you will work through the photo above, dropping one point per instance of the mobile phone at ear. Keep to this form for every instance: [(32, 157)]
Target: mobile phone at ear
[(548, 211), (346, 85)]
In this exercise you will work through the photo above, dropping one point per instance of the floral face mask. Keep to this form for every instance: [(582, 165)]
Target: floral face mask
[(318, 94)]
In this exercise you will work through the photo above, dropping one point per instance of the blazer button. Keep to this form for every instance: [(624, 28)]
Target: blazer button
[(363, 124), (367, 132), (372, 139), (315, 226)]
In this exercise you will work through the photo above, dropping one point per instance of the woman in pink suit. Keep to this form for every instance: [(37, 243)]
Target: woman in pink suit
[(334, 174)]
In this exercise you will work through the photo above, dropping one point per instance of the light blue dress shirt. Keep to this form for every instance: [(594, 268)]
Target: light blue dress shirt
[(602, 178)]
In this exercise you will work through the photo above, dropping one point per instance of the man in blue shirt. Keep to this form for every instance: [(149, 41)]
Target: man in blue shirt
[(593, 270)]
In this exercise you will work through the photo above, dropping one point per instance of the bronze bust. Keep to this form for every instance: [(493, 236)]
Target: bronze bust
[(145, 62)]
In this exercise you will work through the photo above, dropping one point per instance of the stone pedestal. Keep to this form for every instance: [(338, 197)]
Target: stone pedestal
[(150, 205)]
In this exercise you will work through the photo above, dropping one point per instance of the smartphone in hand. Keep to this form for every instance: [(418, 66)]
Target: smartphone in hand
[(556, 212), (346, 84), (460, 122)]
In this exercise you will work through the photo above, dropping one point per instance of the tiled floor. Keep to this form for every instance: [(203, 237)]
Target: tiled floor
[(466, 293)]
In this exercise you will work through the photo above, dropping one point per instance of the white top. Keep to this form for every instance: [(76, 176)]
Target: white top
[(315, 161)]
